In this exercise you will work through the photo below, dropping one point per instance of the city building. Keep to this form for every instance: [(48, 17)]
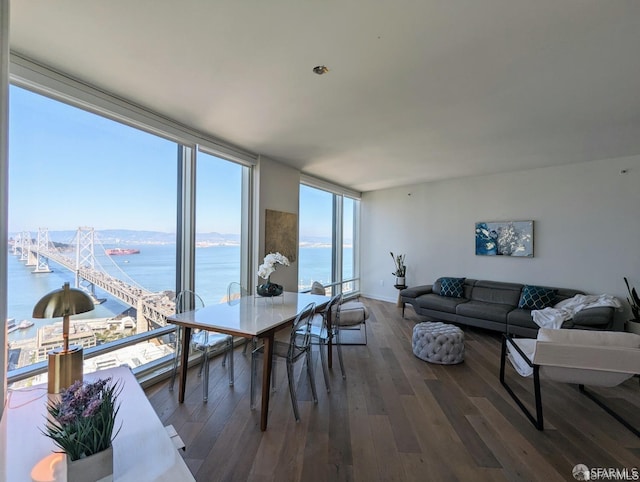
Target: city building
[(50, 337)]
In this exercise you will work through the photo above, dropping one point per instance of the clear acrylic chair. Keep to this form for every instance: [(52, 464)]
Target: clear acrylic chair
[(235, 292), (204, 341), (321, 336), (351, 315), (299, 346)]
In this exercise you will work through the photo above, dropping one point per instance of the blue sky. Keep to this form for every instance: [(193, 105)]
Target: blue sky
[(70, 168)]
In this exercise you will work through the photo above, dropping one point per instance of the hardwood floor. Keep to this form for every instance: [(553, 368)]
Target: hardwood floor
[(397, 417)]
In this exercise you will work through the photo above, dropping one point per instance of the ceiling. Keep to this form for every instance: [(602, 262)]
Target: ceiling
[(416, 91)]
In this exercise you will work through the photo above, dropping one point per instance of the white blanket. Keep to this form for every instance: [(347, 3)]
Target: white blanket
[(565, 310)]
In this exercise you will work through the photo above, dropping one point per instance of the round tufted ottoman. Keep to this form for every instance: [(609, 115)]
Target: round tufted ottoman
[(438, 342)]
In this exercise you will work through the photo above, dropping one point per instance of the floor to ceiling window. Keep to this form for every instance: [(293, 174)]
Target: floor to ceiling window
[(328, 239), (86, 192), (101, 205), (220, 189), (315, 238)]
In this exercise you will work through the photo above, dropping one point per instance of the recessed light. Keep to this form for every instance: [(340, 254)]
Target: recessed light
[(320, 69)]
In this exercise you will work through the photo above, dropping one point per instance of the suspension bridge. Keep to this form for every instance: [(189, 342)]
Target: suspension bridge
[(152, 308)]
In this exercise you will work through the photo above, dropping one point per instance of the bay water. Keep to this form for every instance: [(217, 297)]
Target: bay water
[(153, 269)]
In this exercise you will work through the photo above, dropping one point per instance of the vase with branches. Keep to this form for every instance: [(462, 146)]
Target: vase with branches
[(401, 268), (634, 301)]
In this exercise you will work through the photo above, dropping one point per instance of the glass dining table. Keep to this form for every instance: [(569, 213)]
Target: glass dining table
[(247, 317)]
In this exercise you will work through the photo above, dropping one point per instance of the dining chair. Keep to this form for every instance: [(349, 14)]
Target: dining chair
[(318, 288), (201, 340), (321, 334), (353, 316), (235, 292), (298, 346)]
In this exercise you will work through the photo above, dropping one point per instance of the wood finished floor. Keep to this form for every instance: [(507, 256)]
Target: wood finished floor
[(397, 417)]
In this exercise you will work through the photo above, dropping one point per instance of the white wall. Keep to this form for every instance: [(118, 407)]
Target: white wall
[(586, 228), (278, 188)]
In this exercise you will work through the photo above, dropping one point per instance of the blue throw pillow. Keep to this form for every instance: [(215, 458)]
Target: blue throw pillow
[(452, 287), (536, 297)]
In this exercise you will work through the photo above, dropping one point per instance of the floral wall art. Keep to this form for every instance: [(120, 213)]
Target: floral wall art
[(505, 238)]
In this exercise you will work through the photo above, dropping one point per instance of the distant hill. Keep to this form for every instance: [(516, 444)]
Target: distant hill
[(130, 237), (124, 237)]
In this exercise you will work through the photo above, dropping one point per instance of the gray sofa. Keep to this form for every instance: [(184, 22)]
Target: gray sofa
[(494, 305)]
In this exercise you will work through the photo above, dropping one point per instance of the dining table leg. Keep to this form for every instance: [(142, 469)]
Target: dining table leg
[(184, 363), (266, 379)]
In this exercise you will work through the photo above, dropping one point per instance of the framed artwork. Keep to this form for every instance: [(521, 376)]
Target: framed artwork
[(505, 238), (281, 233)]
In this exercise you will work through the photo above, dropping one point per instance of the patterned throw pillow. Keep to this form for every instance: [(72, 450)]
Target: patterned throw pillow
[(537, 297), (452, 287)]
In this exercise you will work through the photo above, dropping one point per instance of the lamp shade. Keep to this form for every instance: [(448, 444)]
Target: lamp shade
[(65, 301)]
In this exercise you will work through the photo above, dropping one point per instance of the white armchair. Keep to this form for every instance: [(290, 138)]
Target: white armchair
[(582, 357)]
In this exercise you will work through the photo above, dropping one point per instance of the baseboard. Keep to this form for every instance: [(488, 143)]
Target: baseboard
[(379, 298)]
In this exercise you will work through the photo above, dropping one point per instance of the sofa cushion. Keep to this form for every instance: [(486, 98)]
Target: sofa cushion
[(521, 317), (452, 287), (484, 310), (435, 302), (536, 297), (497, 292)]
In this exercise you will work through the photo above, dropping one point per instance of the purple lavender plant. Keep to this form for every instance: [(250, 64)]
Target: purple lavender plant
[(81, 423)]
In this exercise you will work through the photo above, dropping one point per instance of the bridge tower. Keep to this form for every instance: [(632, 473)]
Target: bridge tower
[(27, 253), (42, 248), (85, 257), (17, 244), (22, 248)]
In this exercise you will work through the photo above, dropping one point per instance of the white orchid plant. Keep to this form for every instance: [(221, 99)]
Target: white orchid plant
[(271, 261)]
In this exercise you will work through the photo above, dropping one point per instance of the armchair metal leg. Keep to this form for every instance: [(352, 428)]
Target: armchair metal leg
[(537, 421), (609, 410)]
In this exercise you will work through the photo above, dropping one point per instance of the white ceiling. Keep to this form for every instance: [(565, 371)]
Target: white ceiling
[(417, 90)]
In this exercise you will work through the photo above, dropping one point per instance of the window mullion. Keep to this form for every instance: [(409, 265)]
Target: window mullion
[(337, 243), (186, 224)]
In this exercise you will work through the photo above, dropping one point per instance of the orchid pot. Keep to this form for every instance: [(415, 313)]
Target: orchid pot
[(266, 269), (269, 289)]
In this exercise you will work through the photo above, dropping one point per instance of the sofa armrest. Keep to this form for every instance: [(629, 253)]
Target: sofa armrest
[(600, 317), (415, 291)]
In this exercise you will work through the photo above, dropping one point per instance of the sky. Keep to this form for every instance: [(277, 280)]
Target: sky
[(71, 168)]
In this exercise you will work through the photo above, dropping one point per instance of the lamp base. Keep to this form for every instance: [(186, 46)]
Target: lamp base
[(65, 368)]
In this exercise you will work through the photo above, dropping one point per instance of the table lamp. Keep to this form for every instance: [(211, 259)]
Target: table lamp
[(65, 364)]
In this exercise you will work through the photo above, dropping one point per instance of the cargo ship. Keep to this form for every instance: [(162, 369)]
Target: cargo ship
[(119, 251)]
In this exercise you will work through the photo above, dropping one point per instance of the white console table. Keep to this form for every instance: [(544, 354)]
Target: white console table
[(142, 451)]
